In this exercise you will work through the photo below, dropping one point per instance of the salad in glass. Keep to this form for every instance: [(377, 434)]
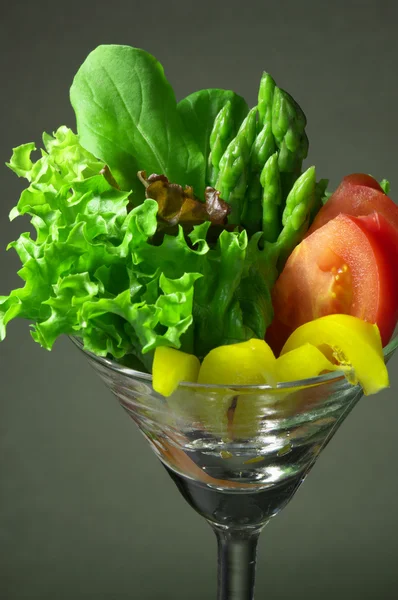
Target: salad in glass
[(218, 287), (193, 226)]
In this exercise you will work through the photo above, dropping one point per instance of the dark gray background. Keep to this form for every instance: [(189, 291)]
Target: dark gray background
[(85, 509)]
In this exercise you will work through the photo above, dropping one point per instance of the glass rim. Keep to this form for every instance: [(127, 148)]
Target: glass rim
[(333, 376)]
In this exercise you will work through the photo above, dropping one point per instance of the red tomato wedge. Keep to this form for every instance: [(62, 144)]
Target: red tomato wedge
[(348, 266), (357, 195)]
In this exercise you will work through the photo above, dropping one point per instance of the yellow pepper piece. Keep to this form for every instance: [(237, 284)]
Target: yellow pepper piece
[(170, 367), (213, 411), (245, 363), (354, 343), (302, 363)]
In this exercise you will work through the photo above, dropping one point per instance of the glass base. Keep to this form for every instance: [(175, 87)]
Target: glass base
[(229, 508)]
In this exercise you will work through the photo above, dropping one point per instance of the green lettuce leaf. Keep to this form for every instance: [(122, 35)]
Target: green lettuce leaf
[(126, 114), (232, 299), (96, 270), (83, 274)]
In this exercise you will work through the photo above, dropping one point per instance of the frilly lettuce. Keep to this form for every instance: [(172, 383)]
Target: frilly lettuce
[(93, 270)]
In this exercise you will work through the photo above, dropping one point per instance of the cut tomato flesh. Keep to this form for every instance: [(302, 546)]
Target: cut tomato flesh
[(348, 266)]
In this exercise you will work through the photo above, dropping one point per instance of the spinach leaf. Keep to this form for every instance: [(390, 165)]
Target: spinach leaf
[(199, 110), (126, 115)]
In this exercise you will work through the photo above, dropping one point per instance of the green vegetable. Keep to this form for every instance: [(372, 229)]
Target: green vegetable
[(232, 300), (385, 186), (127, 116), (296, 216), (281, 127), (200, 114), (82, 273), (288, 127), (128, 274), (272, 199), (93, 272), (235, 167), (221, 135), (263, 147), (65, 160), (265, 99), (321, 197)]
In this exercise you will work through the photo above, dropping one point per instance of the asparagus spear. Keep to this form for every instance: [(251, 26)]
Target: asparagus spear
[(222, 133), (272, 198), (262, 149), (282, 125), (265, 99), (288, 128), (234, 167), (296, 216)]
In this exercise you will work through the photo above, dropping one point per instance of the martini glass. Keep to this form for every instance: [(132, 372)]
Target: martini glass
[(237, 454)]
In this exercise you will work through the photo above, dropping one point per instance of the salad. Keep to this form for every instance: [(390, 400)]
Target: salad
[(188, 240)]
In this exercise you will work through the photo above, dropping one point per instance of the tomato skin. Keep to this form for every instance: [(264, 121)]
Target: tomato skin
[(357, 195), (385, 236), (364, 180), (348, 266)]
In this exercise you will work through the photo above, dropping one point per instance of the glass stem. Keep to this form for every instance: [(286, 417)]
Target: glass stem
[(236, 562)]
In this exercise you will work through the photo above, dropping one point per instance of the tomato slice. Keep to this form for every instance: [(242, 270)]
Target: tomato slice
[(357, 195), (348, 266)]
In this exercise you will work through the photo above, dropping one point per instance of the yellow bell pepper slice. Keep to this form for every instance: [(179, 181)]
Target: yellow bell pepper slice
[(245, 363), (170, 367), (212, 410), (354, 343), (302, 363)]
